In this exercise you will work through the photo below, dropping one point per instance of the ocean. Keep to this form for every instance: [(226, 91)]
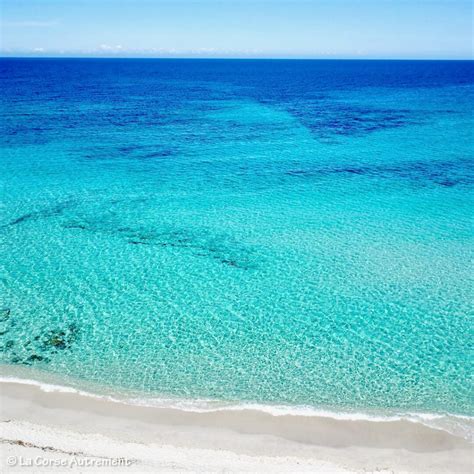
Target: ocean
[(273, 232)]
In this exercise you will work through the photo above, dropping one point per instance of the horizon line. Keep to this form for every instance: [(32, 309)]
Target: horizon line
[(240, 58)]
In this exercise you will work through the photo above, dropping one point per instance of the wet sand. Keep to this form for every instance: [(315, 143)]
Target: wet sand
[(75, 428)]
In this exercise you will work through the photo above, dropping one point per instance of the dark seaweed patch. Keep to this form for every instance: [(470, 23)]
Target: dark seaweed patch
[(201, 245), (325, 171), (446, 174), (35, 358), (42, 347), (448, 183), (129, 152), (5, 321), (60, 338), (5, 314), (158, 154), (41, 214), (351, 170), (75, 226), (231, 263), (326, 118)]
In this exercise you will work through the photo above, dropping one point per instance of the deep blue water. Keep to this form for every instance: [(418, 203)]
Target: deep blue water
[(282, 232)]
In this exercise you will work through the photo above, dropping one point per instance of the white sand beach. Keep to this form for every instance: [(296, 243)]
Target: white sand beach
[(57, 431)]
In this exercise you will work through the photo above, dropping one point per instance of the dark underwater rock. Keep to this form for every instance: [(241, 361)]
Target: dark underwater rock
[(230, 263), (41, 347), (5, 314), (75, 226), (60, 338), (447, 183)]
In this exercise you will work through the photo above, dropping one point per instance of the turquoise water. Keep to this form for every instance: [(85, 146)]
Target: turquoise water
[(265, 231)]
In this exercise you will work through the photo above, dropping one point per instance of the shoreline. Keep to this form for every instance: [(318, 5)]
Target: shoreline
[(157, 438), (454, 424)]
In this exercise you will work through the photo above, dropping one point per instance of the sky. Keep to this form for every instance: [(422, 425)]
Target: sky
[(394, 29)]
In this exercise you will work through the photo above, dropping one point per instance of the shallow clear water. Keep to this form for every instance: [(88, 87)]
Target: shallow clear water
[(290, 232)]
